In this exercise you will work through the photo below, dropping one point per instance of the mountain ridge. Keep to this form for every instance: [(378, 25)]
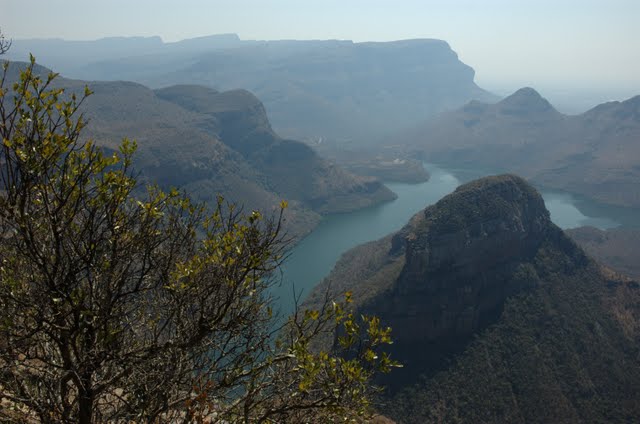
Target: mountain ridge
[(334, 89), (593, 154), (195, 151)]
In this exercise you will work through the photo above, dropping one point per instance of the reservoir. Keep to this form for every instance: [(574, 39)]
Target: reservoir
[(314, 257)]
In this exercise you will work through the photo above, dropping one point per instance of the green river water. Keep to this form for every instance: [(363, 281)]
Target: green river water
[(313, 258)]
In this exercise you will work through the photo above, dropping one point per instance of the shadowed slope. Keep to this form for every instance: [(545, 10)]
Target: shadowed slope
[(497, 315)]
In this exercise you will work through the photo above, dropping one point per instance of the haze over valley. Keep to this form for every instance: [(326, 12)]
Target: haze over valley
[(466, 174), (336, 90)]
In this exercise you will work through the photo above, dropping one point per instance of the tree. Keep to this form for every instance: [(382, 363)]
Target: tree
[(4, 44), (128, 303)]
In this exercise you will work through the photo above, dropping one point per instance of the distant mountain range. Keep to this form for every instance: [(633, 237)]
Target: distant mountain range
[(497, 315), (209, 143), (595, 154), (332, 89)]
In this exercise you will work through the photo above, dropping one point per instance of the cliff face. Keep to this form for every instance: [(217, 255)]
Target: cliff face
[(460, 257), (292, 169), (497, 315), (464, 257), (237, 117), (331, 89), (340, 90)]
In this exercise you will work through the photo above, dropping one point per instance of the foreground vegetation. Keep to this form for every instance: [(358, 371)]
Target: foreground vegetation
[(128, 303)]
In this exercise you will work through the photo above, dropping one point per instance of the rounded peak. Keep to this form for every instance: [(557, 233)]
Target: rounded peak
[(526, 92), (505, 188), (525, 101), (506, 198), (490, 182)]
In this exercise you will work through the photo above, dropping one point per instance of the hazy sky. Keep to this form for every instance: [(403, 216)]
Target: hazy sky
[(510, 43)]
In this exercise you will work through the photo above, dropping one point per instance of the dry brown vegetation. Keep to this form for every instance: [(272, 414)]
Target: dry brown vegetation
[(617, 248)]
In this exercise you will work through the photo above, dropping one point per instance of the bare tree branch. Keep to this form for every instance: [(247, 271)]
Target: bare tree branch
[(4, 44)]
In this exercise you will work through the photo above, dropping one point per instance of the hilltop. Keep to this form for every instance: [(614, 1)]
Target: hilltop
[(497, 315)]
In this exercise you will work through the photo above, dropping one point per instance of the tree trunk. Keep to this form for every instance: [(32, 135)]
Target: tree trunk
[(85, 403)]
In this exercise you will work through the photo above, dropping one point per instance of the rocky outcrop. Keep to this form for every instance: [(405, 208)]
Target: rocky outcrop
[(464, 257), (237, 117), (294, 170), (497, 316), (458, 248)]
